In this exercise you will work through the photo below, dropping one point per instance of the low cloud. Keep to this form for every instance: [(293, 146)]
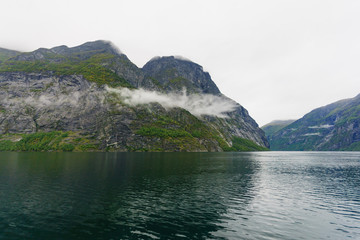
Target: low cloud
[(312, 134), (115, 48), (322, 126), (45, 100), (196, 104)]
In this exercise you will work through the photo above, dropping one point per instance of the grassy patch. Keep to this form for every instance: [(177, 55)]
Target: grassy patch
[(48, 141), (41, 141), (162, 132), (241, 144), (223, 144), (67, 147), (353, 147)]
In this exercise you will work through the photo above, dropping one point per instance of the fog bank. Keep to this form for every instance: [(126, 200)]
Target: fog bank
[(196, 104)]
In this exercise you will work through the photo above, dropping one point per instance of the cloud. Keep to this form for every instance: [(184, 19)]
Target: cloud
[(115, 48), (46, 100), (179, 57), (196, 104), (312, 134), (322, 126)]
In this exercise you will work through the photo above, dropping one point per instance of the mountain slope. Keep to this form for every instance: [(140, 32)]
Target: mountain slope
[(6, 54), (332, 127), (275, 126), (92, 97), (97, 61)]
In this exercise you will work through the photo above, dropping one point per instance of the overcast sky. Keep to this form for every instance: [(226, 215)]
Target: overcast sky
[(278, 58)]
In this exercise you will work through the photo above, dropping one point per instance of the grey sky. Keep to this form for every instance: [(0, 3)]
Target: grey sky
[(278, 58)]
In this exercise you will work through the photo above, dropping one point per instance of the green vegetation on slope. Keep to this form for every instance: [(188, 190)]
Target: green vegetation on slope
[(189, 132), (244, 145), (353, 147), (92, 69), (157, 129), (47, 141), (6, 54), (162, 132)]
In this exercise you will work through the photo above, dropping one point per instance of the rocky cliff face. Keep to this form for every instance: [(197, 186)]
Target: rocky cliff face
[(333, 127), (103, 101), (173, 74)]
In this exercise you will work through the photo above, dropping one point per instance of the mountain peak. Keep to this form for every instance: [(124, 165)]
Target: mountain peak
[(173, 73), (83, 51), (172, 61), (102, 45)]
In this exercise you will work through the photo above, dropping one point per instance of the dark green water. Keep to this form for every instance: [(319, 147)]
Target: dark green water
[(268, 195)]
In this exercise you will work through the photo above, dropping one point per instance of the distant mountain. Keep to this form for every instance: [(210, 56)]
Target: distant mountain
[(92, 97), (330, 128), (275, 126), (6, 54)]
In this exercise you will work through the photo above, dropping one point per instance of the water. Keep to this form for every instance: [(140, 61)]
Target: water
[(267, 195)]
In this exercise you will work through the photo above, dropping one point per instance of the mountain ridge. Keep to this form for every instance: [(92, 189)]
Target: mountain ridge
[(331, 127), (275, 126), (7, 53)]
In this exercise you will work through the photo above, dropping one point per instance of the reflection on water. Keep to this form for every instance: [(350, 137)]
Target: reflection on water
[(179, 195)]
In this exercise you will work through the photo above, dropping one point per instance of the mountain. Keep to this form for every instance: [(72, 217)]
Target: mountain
[(275, 126), (6, 54), (172, 74), (92, 97), (330, 128)]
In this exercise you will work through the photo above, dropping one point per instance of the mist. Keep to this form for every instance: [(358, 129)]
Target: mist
[(49, 100), (196, 104)]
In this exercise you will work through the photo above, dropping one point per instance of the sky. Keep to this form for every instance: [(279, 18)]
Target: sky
[(279, 59)]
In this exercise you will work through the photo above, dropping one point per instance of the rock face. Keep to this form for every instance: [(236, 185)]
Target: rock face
[(80, 90), (330, 128), (172, 74), (32, 101)]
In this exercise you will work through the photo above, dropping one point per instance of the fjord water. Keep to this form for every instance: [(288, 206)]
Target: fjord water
[(265, 195)]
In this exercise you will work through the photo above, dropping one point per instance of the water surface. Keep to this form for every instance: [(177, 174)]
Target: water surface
[(267, 195)]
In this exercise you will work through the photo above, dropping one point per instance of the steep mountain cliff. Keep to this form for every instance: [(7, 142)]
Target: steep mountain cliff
[(92, 97), (173, 74), (332, 127)]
